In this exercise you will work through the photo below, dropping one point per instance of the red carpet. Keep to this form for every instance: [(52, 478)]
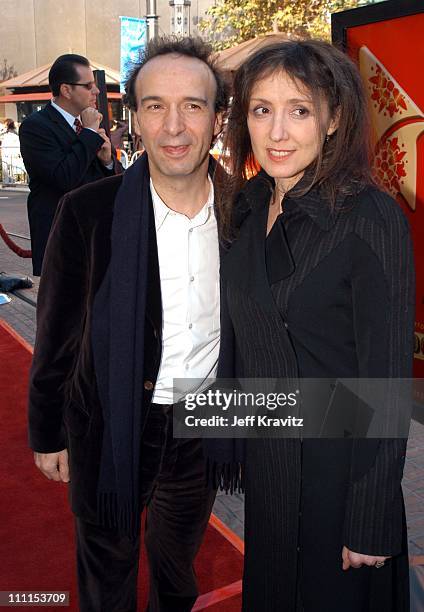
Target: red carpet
[(36, 527)]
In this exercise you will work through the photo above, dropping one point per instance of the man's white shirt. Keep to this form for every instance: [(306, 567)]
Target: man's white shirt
[(188, 253), (67, 116)]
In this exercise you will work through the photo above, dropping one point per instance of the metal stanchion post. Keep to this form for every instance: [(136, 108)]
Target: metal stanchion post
[(152, 20)]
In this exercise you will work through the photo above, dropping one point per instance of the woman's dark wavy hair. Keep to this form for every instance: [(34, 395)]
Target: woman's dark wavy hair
[(342, 167)]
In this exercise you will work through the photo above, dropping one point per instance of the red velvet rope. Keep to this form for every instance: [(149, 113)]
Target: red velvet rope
[(12, 245)]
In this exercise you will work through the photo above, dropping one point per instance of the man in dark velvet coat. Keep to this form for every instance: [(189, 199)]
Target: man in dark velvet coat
[(62, 146), (129, 300)]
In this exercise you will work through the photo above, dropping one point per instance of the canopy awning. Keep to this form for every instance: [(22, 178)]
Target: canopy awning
[(46, 95), (230, 59), (40, 76)]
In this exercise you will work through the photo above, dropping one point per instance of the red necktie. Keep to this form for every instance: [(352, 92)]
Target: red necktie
[(78, 126)]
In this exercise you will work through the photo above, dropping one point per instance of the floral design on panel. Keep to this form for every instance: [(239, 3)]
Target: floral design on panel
[(385, 94), (389, 164)]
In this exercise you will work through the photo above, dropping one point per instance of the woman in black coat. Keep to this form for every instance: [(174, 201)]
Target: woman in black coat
[(318, 282)]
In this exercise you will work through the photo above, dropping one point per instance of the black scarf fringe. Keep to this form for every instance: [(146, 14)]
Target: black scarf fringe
[(228, 477), (122, 518)]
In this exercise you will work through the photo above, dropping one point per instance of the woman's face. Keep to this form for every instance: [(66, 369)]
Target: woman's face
[(283, 128)]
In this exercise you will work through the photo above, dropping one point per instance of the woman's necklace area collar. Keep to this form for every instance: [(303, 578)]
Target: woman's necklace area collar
[(277, 200)]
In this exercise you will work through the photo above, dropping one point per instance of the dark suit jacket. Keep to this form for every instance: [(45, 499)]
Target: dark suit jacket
[(64, 408), (57, 161)]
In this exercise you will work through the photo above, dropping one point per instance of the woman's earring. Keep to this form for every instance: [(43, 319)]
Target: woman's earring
[(327, 138)]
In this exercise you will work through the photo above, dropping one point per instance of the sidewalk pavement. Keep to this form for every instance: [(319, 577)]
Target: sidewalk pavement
[(229, 508), (15, 186)]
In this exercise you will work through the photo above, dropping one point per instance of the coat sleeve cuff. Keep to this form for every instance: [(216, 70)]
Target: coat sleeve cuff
[(41, 441), (91, 138), (374, 512)]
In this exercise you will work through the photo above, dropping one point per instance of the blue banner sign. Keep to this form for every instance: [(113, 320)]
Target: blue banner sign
[(133, 39)]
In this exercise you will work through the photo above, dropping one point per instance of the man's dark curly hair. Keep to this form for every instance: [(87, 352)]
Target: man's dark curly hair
[(189, 47)]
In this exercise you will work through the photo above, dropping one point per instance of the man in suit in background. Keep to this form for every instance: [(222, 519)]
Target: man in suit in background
[(62, 146)]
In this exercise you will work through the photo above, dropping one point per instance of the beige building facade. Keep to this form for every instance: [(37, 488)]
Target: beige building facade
[(35, 32)]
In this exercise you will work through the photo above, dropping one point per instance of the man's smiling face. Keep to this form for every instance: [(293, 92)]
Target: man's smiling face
[(175, 114)]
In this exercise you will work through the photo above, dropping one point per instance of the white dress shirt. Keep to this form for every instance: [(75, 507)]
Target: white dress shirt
[(67, 116), (188, 254)]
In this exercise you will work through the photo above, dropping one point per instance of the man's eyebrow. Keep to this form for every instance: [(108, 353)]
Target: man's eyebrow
[(150, 99), (202, 101)]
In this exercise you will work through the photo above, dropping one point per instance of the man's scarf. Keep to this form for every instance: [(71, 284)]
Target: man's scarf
[(118, 349)]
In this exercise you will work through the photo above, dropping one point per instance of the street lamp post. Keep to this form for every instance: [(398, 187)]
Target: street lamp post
[(152, 20)]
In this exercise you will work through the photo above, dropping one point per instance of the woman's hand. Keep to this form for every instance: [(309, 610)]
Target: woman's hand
[(354, 559)]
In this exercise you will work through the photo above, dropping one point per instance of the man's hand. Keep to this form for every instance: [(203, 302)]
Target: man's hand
[(353, 559), (105, 152), (91, 118), (53, 465)]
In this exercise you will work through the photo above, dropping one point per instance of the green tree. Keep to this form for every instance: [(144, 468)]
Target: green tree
[(230, 22)]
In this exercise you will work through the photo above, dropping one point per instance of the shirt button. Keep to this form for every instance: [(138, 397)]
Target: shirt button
[(191, 279), (190, 230), (286, 325), (187, 366), (190, 325), (148, 385)]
